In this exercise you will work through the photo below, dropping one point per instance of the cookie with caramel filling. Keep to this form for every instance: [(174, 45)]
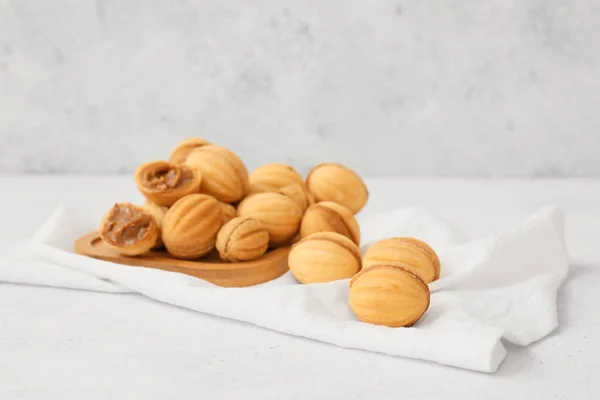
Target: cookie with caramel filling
[(129, 229), (164, 183)]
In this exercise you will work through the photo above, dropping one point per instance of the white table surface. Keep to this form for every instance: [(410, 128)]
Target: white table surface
[(70, 344)]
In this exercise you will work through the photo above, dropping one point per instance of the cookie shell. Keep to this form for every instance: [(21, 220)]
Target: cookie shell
[(389, 295), (242, 239), (279, 214), (324, 257), (191, 225), (336, 182), (329, 216), (393, 251)]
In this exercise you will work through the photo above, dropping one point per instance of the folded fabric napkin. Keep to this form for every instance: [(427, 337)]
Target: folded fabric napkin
[(499, 287)]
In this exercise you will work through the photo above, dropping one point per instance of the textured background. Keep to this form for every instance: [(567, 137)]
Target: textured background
[(403, 87)]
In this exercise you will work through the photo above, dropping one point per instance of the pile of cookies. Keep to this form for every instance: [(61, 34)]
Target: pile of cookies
[(203, 200), (392, 287), (389, 285)]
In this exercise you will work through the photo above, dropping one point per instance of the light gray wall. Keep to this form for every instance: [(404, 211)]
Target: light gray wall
[(404, 87)]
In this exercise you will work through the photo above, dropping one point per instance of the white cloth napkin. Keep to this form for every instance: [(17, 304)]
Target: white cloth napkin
[(498, 287)]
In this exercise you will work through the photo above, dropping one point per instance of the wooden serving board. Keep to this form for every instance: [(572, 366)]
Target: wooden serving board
[(209, 268)]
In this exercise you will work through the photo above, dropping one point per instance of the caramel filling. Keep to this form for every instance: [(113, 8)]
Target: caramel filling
[(168, 177), (125, 225)]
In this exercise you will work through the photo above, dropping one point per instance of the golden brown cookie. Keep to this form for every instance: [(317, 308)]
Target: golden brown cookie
[(435, 260), (260, 188), (164, 183), (242, 239), (335, 182), (394, 251), (279, 214), (389, 295), (328, 216), (294, 191), (276, 175), (298, 193), (224, 175), (324, 257), (191, 225), (182, 150), (129, 229)]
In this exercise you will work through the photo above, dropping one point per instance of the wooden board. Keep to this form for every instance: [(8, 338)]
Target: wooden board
[(210, 268)]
